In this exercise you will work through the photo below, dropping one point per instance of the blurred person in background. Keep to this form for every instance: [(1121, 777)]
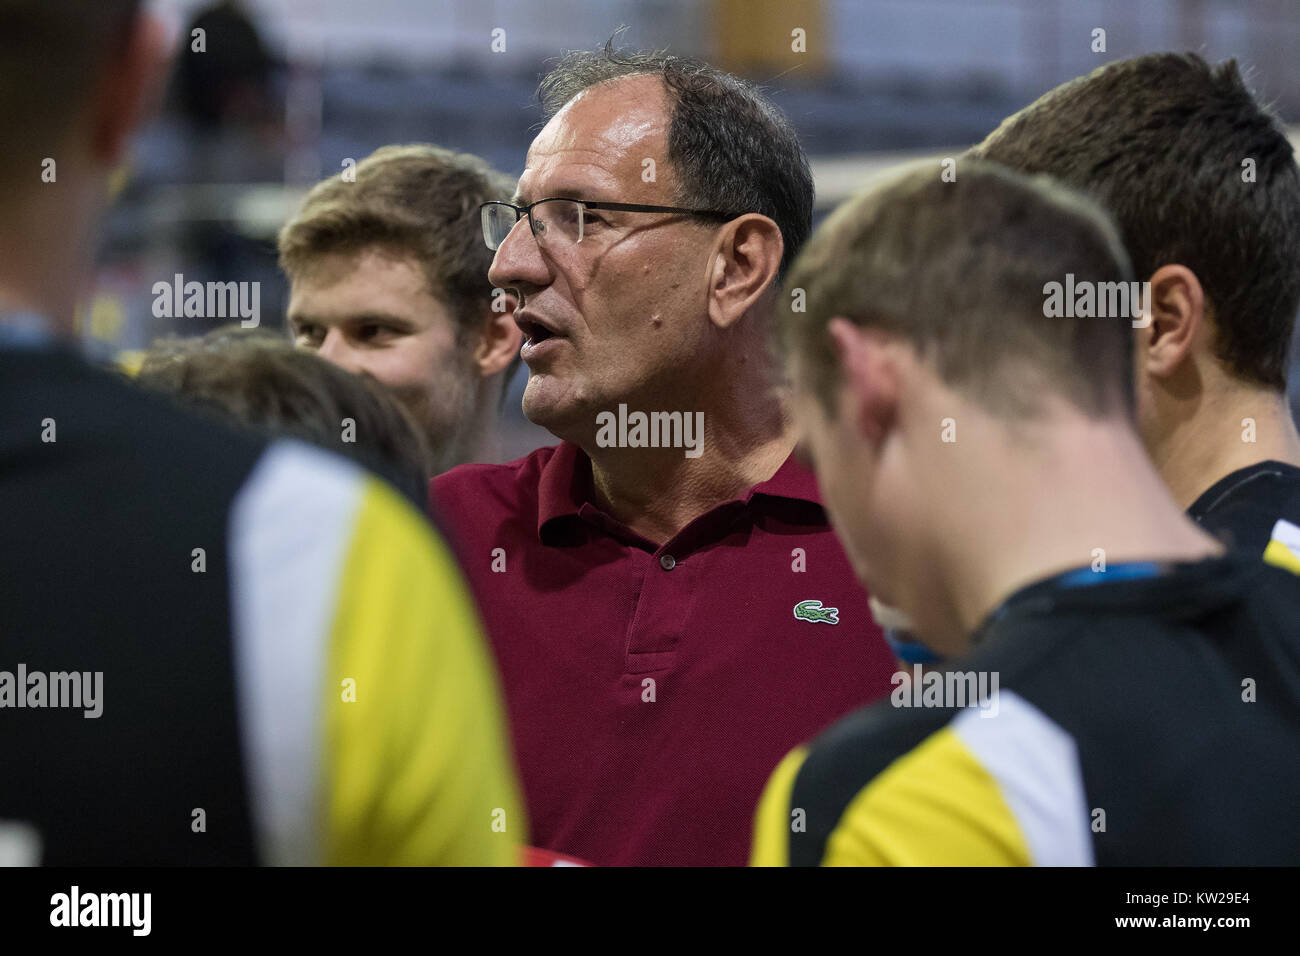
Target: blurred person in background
[(1141, 711), (1204, 186), (256, 379), (388, 276), (228, 83), (228, 89), (670, 617), (216, 649)]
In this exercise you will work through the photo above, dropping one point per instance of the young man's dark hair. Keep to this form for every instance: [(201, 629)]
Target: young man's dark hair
[(263, 382), (185, 605), (1204, 186), (1195, 171), (1104, 652), (960, 273), (50, 52), (732, 150)]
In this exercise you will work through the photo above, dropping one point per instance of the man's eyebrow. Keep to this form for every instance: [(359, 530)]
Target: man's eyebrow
[(356, 318), (390, 318), (577, 192)]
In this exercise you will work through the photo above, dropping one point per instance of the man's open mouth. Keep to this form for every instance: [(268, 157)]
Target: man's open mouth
[(535, 332)]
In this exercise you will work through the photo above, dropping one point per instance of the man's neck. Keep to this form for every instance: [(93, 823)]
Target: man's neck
[(1083, 493), (656, 492), (1234, 429)]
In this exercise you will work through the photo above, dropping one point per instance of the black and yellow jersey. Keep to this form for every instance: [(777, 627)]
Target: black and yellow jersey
[(1150, 720), (1252, 507), (219, 650), (382, 693)]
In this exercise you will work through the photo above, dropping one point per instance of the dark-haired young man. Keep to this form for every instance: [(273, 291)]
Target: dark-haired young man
[(1206, 192), (215, 649), (1120, 691), (670, 610)]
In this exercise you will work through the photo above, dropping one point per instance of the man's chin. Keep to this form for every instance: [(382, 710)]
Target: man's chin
[(543, 405)]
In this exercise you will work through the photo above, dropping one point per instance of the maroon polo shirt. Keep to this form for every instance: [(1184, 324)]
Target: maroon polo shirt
[(653, 690)]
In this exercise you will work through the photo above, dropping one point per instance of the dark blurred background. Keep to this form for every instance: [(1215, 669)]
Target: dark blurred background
[(287, 90)]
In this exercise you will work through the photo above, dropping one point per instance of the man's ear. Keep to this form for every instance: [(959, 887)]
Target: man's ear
[(1178, 321), (130, 87), (746, 259), (499, 340), (869, 377)]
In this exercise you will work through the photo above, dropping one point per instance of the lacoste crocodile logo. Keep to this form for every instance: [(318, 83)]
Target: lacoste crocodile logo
[(813, 611)]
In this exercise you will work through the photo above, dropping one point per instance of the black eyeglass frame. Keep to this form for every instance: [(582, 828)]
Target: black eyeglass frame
[(521, 211)]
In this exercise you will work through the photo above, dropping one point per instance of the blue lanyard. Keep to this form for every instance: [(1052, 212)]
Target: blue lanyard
[(1128, 571), (910, 651)]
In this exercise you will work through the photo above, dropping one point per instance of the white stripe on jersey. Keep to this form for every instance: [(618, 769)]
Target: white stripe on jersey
[(1036, 765), (1287, 535), (290, 527)]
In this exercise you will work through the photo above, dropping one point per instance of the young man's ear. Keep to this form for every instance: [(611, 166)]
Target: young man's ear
[(499, 340), (1177, 321), (869, 376), (130, 87)]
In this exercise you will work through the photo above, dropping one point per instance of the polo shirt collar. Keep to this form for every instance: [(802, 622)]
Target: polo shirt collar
[(565, 485), (792, 480)]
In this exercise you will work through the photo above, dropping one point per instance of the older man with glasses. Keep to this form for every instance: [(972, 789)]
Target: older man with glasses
[(669, 607)]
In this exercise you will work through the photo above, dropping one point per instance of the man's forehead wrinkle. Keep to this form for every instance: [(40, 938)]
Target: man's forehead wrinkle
[(580, 179), (610, 164), (584, 164)]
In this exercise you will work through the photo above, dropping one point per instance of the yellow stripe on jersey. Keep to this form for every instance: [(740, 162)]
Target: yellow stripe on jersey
[(1283, 547), (997, 786), (416, 766), (773, 820), (934, 806)]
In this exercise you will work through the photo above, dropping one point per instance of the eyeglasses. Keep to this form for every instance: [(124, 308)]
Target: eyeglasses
[(561, 221)]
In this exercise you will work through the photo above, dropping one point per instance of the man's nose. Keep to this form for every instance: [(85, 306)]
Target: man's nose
[(519, 262), (334, 349)]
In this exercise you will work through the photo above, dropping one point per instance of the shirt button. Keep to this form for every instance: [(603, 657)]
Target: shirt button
[(667, 562)]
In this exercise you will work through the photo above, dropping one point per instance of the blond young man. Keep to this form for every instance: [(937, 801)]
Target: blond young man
[(388, 276)]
